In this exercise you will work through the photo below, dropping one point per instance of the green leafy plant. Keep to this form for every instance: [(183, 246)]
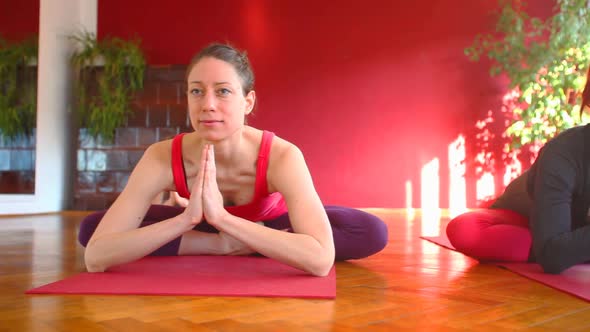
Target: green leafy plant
[(105, 107), (545, 60), (18, 88)]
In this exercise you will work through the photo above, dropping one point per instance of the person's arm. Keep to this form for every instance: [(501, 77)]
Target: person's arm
[(311, 246), (555, 245), (117, 238)]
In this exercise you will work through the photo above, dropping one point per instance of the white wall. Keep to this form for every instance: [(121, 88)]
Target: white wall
[(55, 146)]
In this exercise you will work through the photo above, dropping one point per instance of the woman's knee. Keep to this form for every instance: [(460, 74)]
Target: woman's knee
[(464, 230), (490, 235), (357, 234), (88, 226), (157, 213), (377, 232)]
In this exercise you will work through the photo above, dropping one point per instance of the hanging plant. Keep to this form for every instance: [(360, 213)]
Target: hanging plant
[(546, 62), (115, 67), (18, 88)]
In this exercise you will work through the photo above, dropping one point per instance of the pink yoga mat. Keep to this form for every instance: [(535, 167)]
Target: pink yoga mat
[(199, 275), (574, 281)]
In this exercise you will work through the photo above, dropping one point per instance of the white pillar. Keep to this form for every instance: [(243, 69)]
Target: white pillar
[(54, 166), (88, 15)]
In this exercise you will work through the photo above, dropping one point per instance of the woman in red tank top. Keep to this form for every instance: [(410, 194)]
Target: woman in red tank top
[(244, 187)]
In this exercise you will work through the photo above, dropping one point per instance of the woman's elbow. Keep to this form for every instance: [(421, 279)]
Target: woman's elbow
[(551, 268), (550, 265), (94, 268), (321, 266), (320, 271), (91, 261)]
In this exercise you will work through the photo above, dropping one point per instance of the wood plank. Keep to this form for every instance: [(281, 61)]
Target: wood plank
[(411, 285)]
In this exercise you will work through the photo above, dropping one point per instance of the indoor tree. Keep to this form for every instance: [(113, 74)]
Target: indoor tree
[(110, 71), (18, 87), (545, 61)]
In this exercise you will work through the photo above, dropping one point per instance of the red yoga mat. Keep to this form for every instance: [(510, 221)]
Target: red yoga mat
[(574, 281), (199, 275)]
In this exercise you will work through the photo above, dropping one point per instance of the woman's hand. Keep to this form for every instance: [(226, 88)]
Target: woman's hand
[(193, 214), (183, 202), (213, 209)]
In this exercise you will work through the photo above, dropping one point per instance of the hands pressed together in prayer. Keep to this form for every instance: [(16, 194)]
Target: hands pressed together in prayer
[(206, 202)]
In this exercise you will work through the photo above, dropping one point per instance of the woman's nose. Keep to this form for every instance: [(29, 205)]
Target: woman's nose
[(209, 102)]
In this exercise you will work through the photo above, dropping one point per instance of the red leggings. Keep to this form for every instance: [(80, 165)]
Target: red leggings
[(491, 234)]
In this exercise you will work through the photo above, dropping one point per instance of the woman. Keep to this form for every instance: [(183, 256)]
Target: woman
[(250, 192), (542, 216)]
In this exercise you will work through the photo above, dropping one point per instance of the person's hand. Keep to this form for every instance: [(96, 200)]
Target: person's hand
[(193, 214), (213, 209), (183, 202)]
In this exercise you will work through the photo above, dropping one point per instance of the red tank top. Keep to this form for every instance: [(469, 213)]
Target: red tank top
[(264, 206)]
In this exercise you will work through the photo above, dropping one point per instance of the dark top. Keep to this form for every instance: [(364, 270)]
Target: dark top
[(558, 183), (555, 194)]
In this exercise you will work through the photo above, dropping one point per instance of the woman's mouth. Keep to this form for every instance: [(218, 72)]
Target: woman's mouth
[(210, 122)]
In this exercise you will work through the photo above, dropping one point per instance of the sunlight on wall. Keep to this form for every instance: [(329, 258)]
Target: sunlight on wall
[(410, 212), (457, 185), (513, 169), (429, 198), (485, 187)]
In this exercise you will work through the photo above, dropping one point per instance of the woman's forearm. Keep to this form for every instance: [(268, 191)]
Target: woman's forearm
[(301, 251), (118, 248)]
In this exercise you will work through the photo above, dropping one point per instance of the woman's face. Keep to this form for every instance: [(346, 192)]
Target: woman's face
[(216, 102)]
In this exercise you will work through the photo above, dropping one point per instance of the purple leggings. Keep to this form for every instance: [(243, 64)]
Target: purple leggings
[(357, 234), (491, 234)]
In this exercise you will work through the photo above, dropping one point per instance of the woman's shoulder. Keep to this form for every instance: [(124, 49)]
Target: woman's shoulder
[(561, 158), (285, 159), (281, 148), (570, 139), (158, 154), (567, 146), (160, 148), (278, 144), (153, 172)]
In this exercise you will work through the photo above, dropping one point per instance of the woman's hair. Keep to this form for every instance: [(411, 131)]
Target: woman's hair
[(586, 93), (225, 52)]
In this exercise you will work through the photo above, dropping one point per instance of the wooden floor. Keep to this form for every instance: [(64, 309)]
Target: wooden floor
[(411, 285)]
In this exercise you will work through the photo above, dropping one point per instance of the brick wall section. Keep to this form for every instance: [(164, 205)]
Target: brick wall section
[(159, 112), (17, 165), (17, 156)]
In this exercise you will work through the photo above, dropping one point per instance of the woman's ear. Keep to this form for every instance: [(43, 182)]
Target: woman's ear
[(250, 101)]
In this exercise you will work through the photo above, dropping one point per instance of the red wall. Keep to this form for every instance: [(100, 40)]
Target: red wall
[(19, 19), (369, 90)]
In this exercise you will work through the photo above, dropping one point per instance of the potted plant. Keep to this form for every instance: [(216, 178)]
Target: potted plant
[(18, 88), (109, 72), (545, 62)]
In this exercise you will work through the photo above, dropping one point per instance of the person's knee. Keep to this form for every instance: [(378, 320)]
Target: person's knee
[(377, 233), (463, 231), (359, 235), (88, 226)]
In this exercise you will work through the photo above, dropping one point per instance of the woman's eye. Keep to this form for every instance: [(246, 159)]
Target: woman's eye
[(224, 91), (196, 92)]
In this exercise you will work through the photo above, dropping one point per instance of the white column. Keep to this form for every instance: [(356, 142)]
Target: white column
[(88, 15), (54, 169)]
